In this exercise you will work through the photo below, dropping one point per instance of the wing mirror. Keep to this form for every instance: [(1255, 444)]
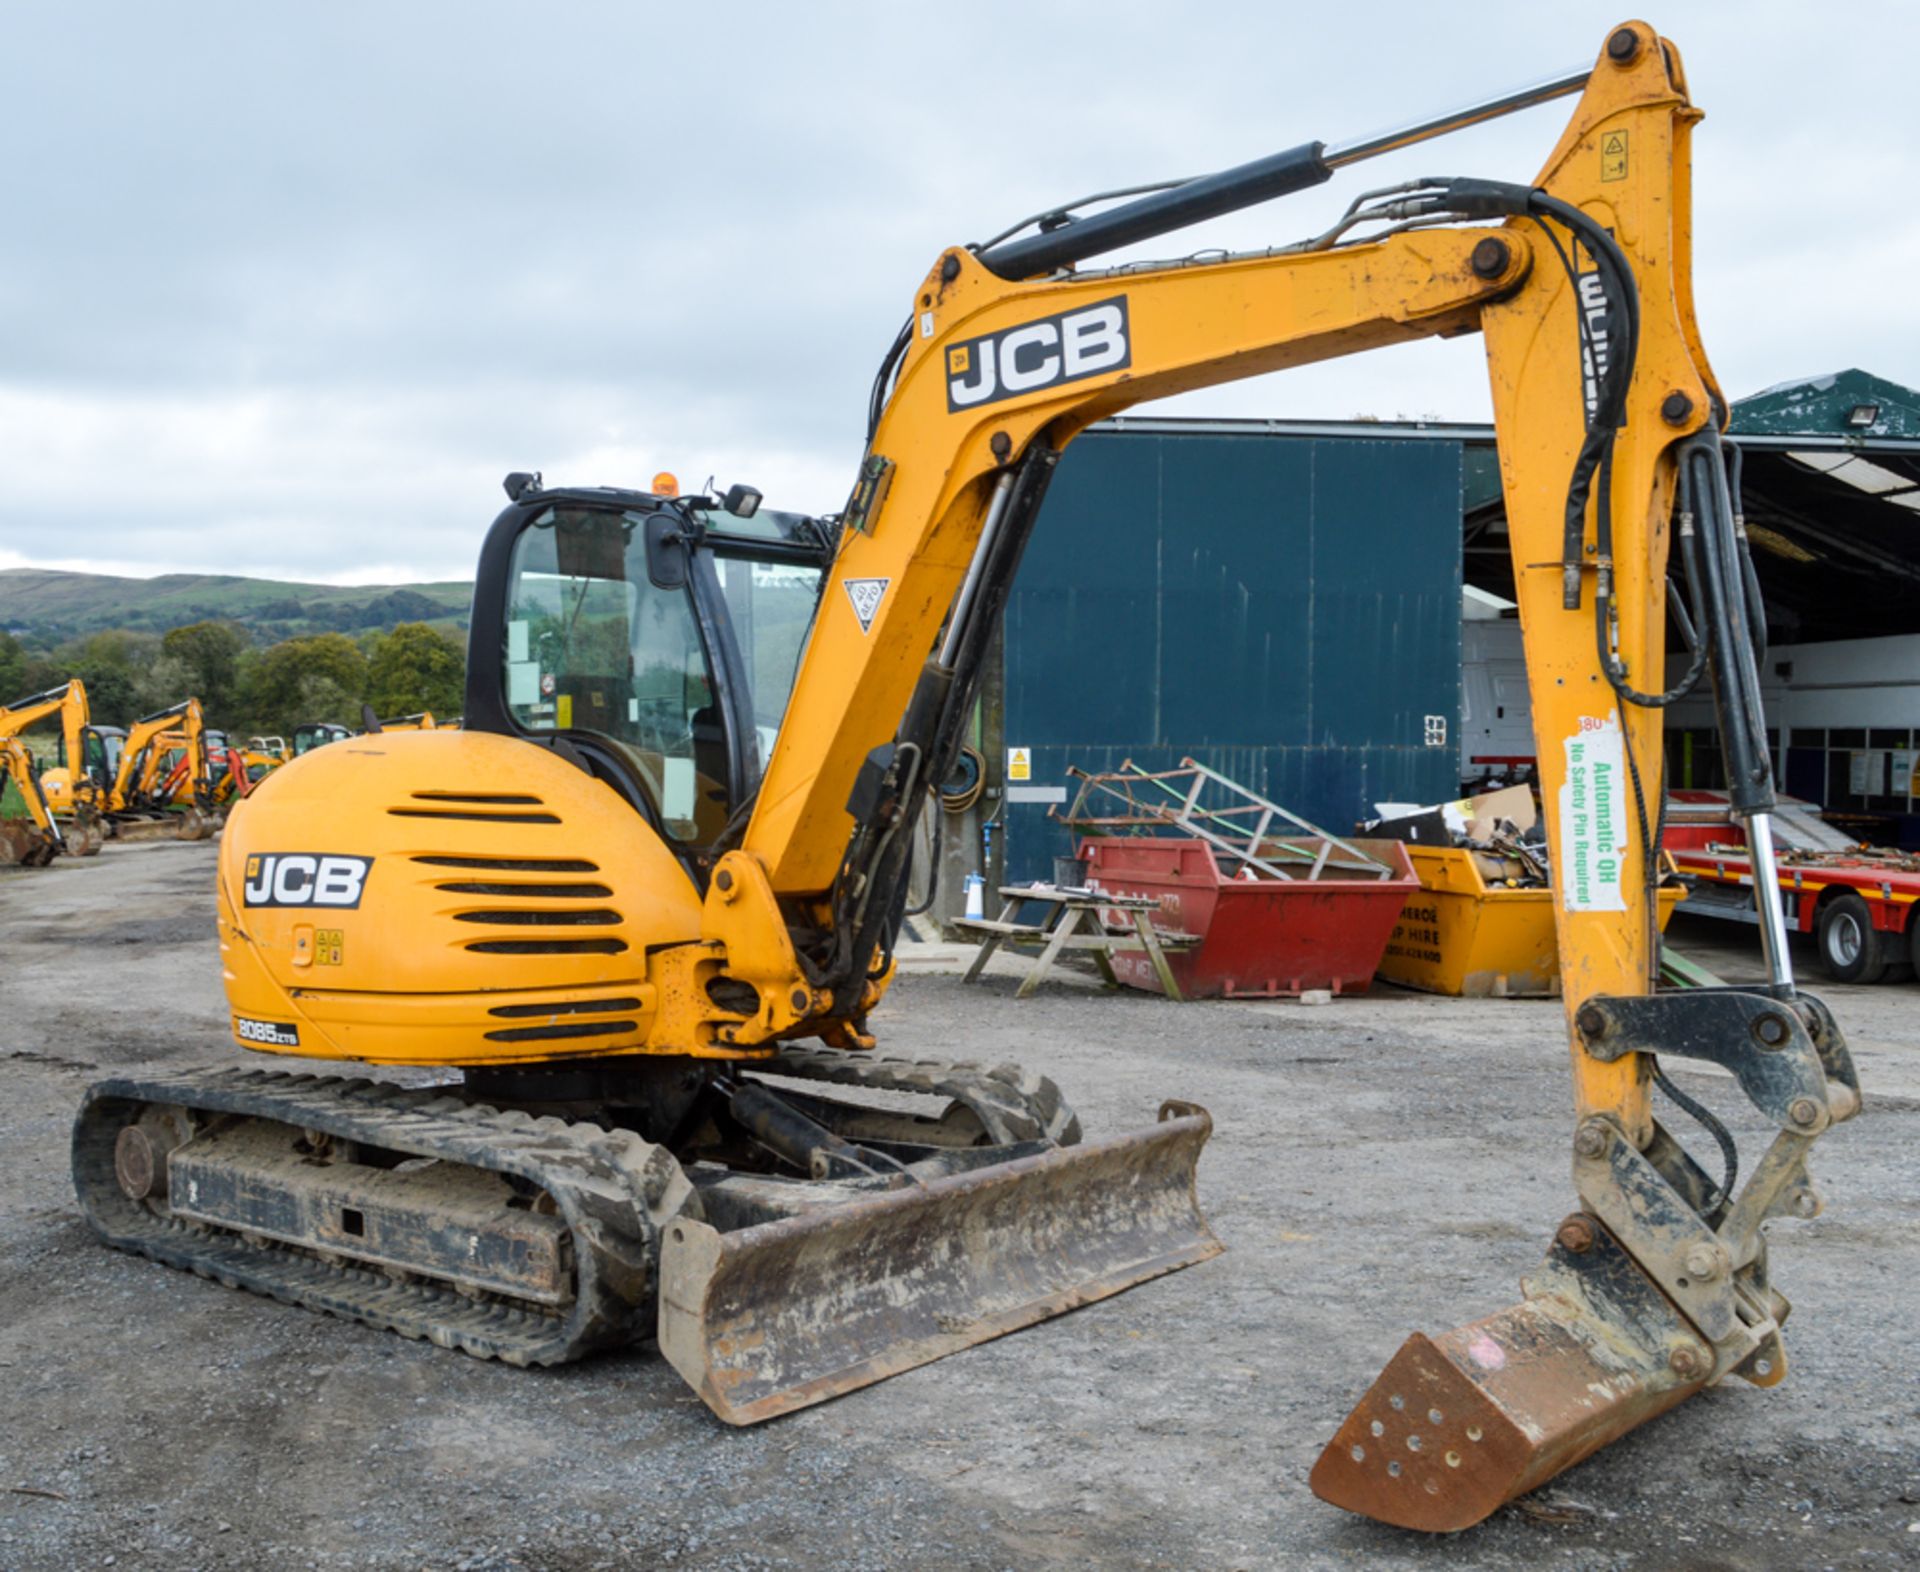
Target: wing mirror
[(666, 552)]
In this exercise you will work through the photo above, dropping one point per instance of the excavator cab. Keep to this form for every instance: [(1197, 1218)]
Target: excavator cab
[(316, 734), (654, 638), (100, 750), (87, 797)]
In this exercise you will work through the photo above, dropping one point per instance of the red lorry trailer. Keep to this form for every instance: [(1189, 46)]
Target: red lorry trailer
[(1856, 900)]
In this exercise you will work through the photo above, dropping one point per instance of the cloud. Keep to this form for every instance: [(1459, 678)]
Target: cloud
[(288, 290)]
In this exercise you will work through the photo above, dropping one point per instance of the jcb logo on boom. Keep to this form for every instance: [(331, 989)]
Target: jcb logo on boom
[(305, 879), (1063, 348)]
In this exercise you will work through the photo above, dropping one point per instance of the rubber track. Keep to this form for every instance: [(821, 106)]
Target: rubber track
[(611, 1188), (614, 1189), (1014, 1104)]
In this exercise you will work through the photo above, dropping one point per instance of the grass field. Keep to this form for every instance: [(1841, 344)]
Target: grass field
[(48, 604)]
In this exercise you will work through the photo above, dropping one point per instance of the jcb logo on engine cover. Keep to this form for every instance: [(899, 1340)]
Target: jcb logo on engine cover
[(305, 879), (1065, 348)]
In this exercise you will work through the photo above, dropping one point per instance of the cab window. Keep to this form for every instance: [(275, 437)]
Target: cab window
[(592, 644)]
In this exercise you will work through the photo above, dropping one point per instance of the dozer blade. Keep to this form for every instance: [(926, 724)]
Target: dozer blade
[(137, 831), (1460, 1424), (785, 1314)]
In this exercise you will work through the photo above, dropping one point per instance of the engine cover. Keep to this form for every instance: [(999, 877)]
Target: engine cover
[(444, 898)]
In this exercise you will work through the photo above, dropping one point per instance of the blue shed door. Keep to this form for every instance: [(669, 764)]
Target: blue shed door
[(1285, 609)]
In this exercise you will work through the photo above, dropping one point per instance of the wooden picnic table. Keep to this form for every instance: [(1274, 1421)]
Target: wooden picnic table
[(1074, 922)]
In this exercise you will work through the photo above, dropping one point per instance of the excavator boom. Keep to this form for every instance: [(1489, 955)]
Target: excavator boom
[(1607, 414)]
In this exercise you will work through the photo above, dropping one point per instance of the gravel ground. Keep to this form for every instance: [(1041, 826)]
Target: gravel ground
[(1381, 1164)]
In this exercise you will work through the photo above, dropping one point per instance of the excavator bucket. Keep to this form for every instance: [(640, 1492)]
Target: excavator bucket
[(23, 845), (1460, 1424), (785, 1314)]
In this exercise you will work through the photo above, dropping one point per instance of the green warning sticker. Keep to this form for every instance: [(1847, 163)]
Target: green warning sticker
[(1593, 818)]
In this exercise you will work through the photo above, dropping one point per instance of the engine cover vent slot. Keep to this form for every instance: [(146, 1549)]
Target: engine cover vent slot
[(566, 1007), (514, 864), (505, 799), (548, 946), (580, 917), (578, 892), (559, 1029), (478, 818)]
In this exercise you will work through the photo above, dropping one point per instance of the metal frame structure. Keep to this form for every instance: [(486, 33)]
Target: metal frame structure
[(1222, 828)]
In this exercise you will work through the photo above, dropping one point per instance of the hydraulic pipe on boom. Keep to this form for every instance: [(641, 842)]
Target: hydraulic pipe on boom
[(1064, 240)]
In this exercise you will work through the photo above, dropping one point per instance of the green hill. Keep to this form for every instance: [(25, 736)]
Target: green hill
[(44, 605)]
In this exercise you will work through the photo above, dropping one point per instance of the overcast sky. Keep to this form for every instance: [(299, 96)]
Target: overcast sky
[(286, 289)]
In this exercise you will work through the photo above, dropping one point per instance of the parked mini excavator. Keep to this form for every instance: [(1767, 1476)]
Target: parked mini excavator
[(317, 734), (75, 808), (641, 909), (229, 772), (161, 780), (29, 837)]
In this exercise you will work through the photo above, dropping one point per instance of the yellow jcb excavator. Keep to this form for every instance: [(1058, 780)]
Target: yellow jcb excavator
[(144, 767), (74, 806), (230, 771), (316, 734), (29, 837), (645, 902)]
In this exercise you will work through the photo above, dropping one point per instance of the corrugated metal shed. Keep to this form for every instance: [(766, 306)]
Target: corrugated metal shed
[(1283, 605), (1854, 404), (1832, 488)]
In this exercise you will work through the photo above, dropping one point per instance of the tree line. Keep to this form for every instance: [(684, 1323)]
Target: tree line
[(245, 688), (271, 621)]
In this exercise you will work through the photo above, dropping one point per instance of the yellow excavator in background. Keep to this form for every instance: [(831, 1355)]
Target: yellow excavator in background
[(423, 721), (316, 734), (134, 769), (230, 771), (29, 837), (164, 787), (646, 901), (75, 807), (253, 759)]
